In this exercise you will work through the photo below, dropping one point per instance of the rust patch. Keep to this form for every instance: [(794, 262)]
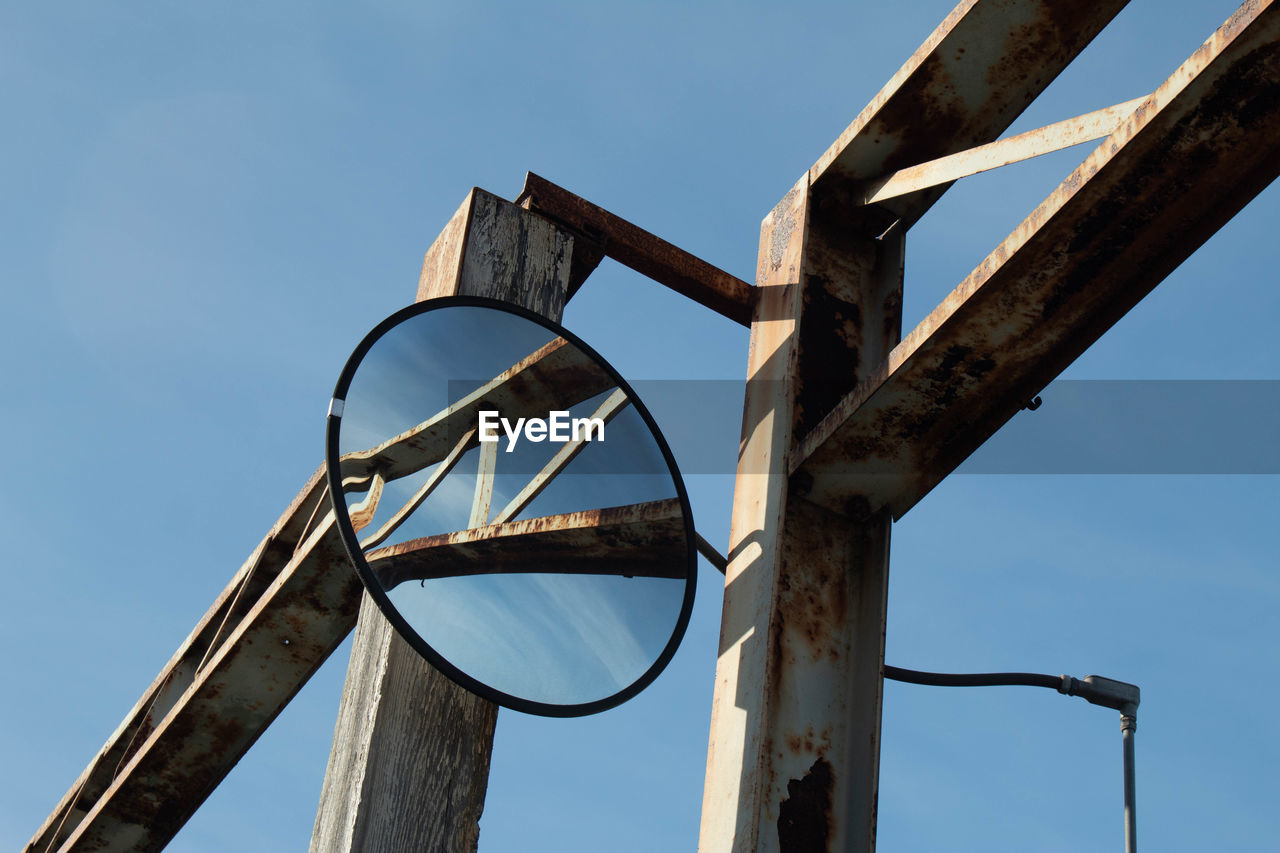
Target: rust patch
[(608, 235), (804, 817)]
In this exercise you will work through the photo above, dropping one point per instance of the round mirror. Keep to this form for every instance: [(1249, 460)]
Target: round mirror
[(511, 506)]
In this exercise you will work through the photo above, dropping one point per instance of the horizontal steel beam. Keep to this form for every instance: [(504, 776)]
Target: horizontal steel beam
[(645, 253), (963, 87), (1024, 146), (1186, 161), (639, 540)]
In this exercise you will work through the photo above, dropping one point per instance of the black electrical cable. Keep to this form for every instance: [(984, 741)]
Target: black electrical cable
[(974, 679), (713, 556), (1106, 692)]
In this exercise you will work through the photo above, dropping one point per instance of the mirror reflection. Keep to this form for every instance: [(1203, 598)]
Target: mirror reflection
[(512, 502)]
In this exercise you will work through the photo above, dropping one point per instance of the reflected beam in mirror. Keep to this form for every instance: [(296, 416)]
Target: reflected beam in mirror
[(362, 513), (357, 484), (612, 404), (484, 484), (446, 465), (552, 377), (637, 540)]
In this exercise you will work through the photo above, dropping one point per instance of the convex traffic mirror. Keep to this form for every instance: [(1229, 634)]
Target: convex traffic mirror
[(511, 506)]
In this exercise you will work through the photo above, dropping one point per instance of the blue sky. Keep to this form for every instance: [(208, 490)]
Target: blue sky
[(207, 208)]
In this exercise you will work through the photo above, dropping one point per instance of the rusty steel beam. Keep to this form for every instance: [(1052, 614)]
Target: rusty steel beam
[(645, 253), (638, 540), (1197, 150), (179, 754), (122, 794), (1024, 146), (962, 88), (793, 755), (794, 743)]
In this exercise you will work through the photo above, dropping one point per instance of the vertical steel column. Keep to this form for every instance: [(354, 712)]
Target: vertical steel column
[(410, 758), (795, 731)]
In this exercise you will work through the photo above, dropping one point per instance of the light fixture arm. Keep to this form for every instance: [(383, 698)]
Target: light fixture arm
[(1107, 692)]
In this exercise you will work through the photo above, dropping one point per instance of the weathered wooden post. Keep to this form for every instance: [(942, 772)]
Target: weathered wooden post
[(410, 757)]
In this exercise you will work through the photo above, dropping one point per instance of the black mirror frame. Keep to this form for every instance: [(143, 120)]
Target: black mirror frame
[(352, 544)]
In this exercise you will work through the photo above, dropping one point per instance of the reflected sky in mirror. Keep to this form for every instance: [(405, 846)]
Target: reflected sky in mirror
[(579, 594)]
